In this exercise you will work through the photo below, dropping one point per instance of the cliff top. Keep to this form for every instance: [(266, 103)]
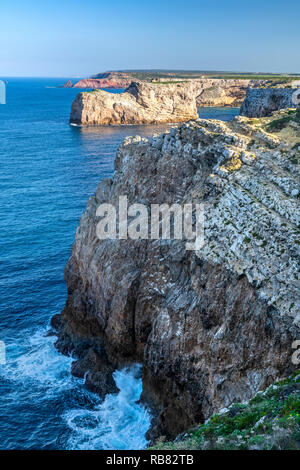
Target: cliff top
[(270, 421)]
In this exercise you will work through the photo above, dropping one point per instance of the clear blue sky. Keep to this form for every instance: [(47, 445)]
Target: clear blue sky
[(72, 38)]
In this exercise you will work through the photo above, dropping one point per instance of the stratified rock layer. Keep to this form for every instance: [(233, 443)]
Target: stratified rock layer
[(145, 103), (213, 326), (141, 103)]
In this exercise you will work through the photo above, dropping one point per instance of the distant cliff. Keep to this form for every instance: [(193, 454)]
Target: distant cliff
[(211, 326), (160, 102), (142, 103), (261, 102), (103, 83), (105, 80)]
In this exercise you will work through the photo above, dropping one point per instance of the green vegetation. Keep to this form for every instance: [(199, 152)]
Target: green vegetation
[(274, 80), (174, 82), (233, 164), (148, 75), (278, 124), (270, 421)]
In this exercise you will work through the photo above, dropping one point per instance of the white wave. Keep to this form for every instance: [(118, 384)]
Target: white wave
[(34, 357), (39, 373), (119, 422)]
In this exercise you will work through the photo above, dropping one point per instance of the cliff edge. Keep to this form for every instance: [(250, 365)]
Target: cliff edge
[(214, 326), (103, 80), (261, 102), (140, 104), (147, 103)]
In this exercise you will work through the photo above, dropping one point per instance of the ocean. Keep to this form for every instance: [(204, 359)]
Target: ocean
[(48, 171)]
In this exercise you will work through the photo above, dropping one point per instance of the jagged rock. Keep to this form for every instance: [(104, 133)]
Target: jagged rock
[(214, 326), (261, 102), (145, 103), (141, 103), (91, 362), (97, 372)]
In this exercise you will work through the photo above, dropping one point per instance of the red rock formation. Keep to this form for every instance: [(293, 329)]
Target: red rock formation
[(110, 81)]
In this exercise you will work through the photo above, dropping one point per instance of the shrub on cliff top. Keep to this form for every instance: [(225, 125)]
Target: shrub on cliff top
[(278, 124), (270, 421)]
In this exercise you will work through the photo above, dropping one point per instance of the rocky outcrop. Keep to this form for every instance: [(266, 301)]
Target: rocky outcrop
[(261, 102), (103, 83), (140, 104), (112, 80), (213, 326), (215, 92), (221, 92), (144, 103)]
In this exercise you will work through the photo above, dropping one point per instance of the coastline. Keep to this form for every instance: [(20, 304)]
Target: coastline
[(122, 318)]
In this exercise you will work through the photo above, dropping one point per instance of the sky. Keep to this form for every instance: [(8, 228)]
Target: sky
[(73, 38)]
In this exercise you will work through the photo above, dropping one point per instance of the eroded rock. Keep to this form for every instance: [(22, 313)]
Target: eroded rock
[(211, 327), (145, 103), (261, 102)]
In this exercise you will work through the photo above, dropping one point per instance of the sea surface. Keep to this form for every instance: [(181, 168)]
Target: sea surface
[(48, 170)]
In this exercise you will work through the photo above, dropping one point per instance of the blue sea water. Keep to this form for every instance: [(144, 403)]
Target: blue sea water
[(48, 171)]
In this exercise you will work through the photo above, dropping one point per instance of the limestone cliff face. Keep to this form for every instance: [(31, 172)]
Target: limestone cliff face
[(261, 102), (213, 326), (221, 92), (141, 103), (144, 103)]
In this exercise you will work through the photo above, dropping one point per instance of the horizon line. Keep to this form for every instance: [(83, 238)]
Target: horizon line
[(155, 70)]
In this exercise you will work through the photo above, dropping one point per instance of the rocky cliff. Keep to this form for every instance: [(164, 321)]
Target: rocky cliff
[(103, 83), (213, 326), (144, 103), (261, 102), (105, 80), (270, 421), (140, 104), (221, 92)]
